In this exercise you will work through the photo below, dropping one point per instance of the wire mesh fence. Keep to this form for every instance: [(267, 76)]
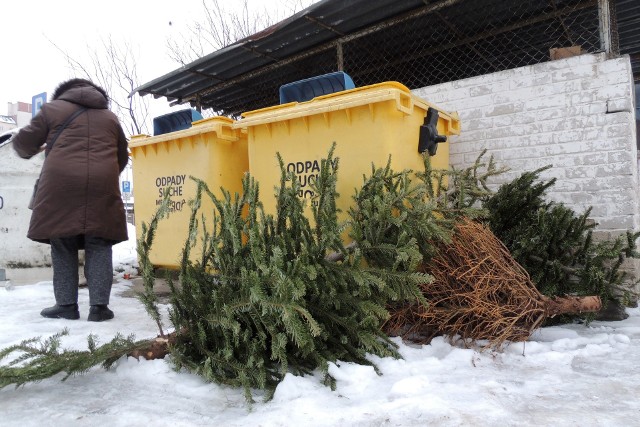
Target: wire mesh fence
[(466, 39), (448, 40), (473, 38)]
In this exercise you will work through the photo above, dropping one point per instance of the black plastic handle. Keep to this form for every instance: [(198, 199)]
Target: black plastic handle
[(429, 138)]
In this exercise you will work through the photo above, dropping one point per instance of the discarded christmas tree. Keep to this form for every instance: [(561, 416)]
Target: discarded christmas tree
[(264, 300), (479, 292), (555, 244)]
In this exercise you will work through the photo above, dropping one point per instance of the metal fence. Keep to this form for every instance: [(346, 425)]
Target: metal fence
[(460, 39), (453, 40)]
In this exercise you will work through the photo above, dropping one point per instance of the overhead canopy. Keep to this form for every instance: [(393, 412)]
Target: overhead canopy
[(416, 42)]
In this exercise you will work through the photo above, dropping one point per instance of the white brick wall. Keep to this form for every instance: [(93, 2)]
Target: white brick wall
[(575, 114)]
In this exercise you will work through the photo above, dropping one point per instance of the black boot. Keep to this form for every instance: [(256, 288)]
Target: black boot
[(98, 313), (66, 311)]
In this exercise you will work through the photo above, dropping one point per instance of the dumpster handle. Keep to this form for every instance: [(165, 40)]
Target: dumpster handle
[(404, 103), (429, 138), (226, 132)]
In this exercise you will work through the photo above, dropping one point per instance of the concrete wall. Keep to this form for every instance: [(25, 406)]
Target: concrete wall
[(576, 114), (17, 177)]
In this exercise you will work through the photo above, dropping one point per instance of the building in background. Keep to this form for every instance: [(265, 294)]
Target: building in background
[(7, 123), (20, 112)]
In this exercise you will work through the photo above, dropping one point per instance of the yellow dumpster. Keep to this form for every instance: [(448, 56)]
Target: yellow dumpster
[(211, 150), (367, 124)]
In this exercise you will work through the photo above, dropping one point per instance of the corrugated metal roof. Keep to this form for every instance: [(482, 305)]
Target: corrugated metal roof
[(315, 26), (247, 74)]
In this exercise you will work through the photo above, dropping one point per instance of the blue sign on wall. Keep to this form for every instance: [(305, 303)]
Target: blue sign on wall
[(37, 101), (126, 186)]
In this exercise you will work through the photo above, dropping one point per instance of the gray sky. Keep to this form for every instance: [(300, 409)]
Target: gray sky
[(32, 65)]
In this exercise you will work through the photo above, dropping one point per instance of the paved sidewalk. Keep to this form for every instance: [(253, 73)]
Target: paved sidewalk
[(160, 287), (28, 276), (33, 275)]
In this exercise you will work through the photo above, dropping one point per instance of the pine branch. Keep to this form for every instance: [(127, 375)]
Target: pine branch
[(457, 193), (36, 359), (149, 297)]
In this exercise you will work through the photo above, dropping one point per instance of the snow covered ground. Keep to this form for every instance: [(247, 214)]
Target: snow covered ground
[(570, 375)]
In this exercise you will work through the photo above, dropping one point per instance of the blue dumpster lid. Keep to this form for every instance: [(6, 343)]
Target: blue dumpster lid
[(307, 89), (175, 121)]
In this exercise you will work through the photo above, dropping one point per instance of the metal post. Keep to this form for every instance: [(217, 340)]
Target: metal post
[(604, 19), (340, 56)]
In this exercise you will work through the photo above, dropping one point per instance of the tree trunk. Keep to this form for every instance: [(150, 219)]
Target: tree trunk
[(571, 305), (157, 348)]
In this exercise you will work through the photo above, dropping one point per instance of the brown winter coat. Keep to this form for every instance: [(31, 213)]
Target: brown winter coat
[(78, 192)]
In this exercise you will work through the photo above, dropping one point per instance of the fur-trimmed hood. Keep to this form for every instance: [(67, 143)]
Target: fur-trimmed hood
[(83, 92)]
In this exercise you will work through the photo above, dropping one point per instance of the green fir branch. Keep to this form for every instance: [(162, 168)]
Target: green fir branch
[(555, 244), (36, 359), (148, 296)]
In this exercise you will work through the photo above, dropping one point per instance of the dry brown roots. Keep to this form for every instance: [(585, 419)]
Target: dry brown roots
[(479, 292)]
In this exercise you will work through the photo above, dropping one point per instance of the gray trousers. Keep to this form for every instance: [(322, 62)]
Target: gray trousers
[(98, 269)]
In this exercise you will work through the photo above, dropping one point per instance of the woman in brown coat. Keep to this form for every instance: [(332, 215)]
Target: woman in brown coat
[(78, 203)]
